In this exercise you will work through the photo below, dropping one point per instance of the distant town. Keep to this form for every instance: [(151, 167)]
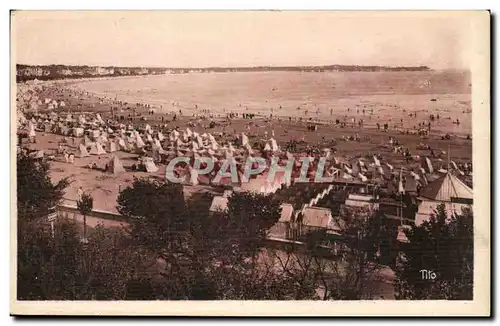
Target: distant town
[(51, 72)]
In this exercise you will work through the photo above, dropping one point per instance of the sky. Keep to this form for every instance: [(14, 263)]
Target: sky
[(440, 40)]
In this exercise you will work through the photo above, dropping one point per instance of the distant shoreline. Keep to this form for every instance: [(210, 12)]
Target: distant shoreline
[(62, 72)]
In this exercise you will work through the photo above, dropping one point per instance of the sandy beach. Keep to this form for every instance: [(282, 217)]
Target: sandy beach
[(105, 188)]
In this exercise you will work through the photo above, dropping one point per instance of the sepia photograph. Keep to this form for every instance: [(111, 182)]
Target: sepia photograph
[(250, 159)]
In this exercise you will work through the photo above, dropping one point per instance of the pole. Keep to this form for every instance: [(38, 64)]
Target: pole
[(401, 208), (85, 228), (448, 158)]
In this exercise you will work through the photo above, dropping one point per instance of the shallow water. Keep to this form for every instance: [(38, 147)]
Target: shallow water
[(391, 95)]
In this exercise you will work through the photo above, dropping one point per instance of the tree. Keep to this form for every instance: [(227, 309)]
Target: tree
[(36, 194), (85, 204), (47, 266), (202, 256), (444, 246)]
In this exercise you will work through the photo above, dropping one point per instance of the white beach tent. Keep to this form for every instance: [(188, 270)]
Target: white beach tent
[(112, 146), (244, 139), (149, 164), (274, 145), (122, 144), (96, 149), (115, 165), (427, 165), (83, 151), (192, 176), (78, 132), (139, 142), (31, 132)]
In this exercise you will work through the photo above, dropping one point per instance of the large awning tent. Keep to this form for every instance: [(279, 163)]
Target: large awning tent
[(447, 189)]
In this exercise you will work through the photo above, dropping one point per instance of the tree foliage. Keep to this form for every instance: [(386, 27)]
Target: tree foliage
[(444, 246), (202, 256), (85, 204), (36, 194), (62, 268)]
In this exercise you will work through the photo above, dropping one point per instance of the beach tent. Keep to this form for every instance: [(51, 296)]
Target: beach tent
[(31, 132), (244, 139), (376, 160), (95, 134), (414, 175), (454, 165), (112, 146), (122, 144), (249, 149), (96, 149), (356, 168), (83, 151), (98, 118), (447, 189), (427, 165), (38, 154), (149, 138), (115, 165), (411, 184), (274, 145), (149, 164), (87, 142), (157, 143), (78, 132), (160, 136), (195, 146), (192, 176), (139, 142)]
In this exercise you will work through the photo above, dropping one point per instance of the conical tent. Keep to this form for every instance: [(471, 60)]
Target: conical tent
[(192, 176), (139, 143), (115, 165), (112, 146), (122, 144), (249, 149), (31, 132), (96, 149), (274, 145), (446, 188), (427, 165), (149, 164), (244, 139), (83, 151), (157, 143), (87, 141)]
